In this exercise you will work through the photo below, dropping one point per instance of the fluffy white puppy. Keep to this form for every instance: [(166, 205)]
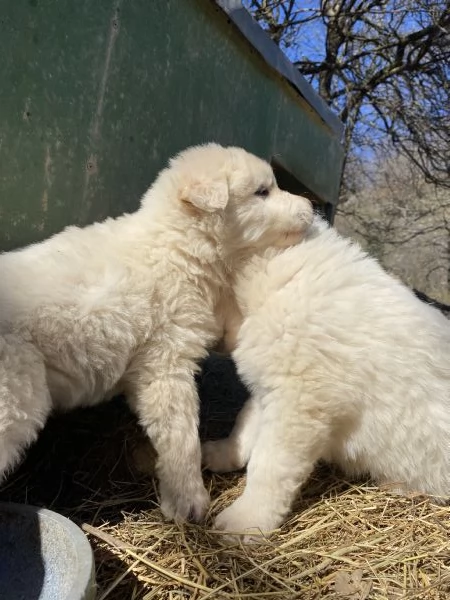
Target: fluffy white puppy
[(132, 303), (345, 364)]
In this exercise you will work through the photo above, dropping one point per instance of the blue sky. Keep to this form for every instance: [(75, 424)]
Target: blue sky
[(309, 44)]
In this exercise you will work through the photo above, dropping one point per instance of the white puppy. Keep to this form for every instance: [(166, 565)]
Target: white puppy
[(345, 364), (131, 304)]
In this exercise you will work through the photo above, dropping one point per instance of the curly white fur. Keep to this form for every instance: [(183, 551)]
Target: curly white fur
[(345, 364), (132, 303)]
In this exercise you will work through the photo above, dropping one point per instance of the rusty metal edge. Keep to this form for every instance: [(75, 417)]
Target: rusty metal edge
[(276, 59)]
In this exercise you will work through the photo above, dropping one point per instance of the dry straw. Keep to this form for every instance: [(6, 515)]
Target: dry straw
[(343, 540), (346, 541)]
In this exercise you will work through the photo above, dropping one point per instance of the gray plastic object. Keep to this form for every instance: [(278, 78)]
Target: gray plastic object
[(43, 556)]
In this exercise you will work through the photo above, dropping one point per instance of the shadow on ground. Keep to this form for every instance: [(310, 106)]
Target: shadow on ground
[(84, 466)]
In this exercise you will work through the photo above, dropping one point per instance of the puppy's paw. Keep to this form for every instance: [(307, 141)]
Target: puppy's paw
[(220, 457), (185, 505), (247, 522)]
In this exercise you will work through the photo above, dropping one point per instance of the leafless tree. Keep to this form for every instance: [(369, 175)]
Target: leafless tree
[(384, 65), (404, 221)]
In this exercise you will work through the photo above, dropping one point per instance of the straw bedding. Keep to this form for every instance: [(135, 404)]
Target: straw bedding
[(344, 539)]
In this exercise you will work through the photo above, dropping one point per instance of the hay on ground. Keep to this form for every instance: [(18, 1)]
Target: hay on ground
[(344, 539)]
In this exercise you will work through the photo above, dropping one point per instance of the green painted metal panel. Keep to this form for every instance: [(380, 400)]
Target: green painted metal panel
[(97, 94)]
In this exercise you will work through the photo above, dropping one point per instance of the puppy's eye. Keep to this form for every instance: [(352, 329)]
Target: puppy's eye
[(262, 192)]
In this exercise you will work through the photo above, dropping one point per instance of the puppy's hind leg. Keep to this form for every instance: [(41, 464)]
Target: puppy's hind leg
[(233, 453), (292, 437), (25, 401)]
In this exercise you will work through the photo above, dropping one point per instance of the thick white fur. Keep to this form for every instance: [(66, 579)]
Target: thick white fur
[(345, 364), (131, 304)]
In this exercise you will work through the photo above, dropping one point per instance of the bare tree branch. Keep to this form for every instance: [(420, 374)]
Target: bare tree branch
[(383, 65)]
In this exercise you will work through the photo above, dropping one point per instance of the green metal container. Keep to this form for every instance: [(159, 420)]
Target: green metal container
[(97, 94)]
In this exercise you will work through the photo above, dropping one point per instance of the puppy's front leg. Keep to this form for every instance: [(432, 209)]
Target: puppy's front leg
[(167, 406), (292, 436)]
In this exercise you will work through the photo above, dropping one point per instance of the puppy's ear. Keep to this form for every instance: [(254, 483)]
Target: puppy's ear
[(208, 196)]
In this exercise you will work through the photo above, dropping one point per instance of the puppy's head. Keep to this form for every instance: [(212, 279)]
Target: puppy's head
[(259, 214), (232, 196)]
